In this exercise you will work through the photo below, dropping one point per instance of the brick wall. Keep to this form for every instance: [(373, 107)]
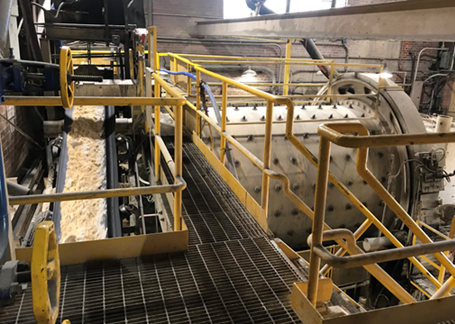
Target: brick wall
[(177, 18)]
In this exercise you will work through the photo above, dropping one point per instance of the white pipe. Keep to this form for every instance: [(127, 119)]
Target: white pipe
[(418, 60), (376, 243)]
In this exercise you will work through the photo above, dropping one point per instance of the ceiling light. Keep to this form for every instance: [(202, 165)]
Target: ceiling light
[(249, 73), (386, 75)]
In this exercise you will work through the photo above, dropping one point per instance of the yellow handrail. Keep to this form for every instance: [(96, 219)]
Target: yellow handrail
[(271, 101), (332, 133)]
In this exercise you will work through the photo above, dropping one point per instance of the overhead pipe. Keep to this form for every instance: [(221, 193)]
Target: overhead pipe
[(309, 44)]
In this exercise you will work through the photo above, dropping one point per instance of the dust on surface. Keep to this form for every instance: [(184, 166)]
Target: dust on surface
[(85, 220)]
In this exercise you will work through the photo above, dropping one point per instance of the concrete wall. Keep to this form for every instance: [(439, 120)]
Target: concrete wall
[(177, 18)]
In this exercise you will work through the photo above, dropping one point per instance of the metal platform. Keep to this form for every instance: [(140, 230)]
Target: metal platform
[(231, 273), (211, 211)]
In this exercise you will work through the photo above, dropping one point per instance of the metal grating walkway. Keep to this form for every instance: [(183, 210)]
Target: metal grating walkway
[(211, 211), (231, 273), (243, 281)]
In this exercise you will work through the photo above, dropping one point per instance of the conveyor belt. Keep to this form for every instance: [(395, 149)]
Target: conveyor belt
[(231, 273), (113, 217)]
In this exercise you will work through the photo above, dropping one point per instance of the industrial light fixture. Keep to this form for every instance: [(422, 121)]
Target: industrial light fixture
[(249, 73), (386, 75)]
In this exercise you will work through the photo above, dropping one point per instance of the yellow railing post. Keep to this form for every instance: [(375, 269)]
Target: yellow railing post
[(223, 123), (153, 58), (157, 132), (178, 152), (198, 102), (267, 156), (319, 215), (287, 68), (131, 63), (188, 86), (175, 69), (329, 90)]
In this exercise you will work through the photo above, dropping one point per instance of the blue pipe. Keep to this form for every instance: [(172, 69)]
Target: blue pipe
[(216, 108), (4, 218)]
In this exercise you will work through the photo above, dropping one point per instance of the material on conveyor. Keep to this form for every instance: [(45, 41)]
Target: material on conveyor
[(84, 220)]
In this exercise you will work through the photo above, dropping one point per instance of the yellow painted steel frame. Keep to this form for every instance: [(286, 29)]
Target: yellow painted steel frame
[(332, 133), (371, 219), (440, 268), (45, 271), (267, 173), (375, 270), (179, 183)]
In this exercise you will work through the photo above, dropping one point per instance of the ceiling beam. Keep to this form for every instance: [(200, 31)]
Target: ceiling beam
[(425, 20)]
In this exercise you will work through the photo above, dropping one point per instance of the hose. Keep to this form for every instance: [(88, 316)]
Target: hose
[(48, 11), (216, 108)]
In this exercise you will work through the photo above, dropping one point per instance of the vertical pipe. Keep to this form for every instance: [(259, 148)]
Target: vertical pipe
[(131, 65), (223, 122), (150, 57), (198, 102), (287, 68), (329, 91), (141, 77), (288, 6), (178, 138), (155, 50), (319, 215), (157, 132), (267, 156)]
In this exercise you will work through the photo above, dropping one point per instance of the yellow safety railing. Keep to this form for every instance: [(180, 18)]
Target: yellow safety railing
[(174, 164), (333, 133), (441, 269), (178, 61)]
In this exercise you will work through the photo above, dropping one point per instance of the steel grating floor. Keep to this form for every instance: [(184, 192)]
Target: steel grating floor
[(211, 211), (231, 273)]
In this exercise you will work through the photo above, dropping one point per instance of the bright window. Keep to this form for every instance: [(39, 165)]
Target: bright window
[(239, 9)]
